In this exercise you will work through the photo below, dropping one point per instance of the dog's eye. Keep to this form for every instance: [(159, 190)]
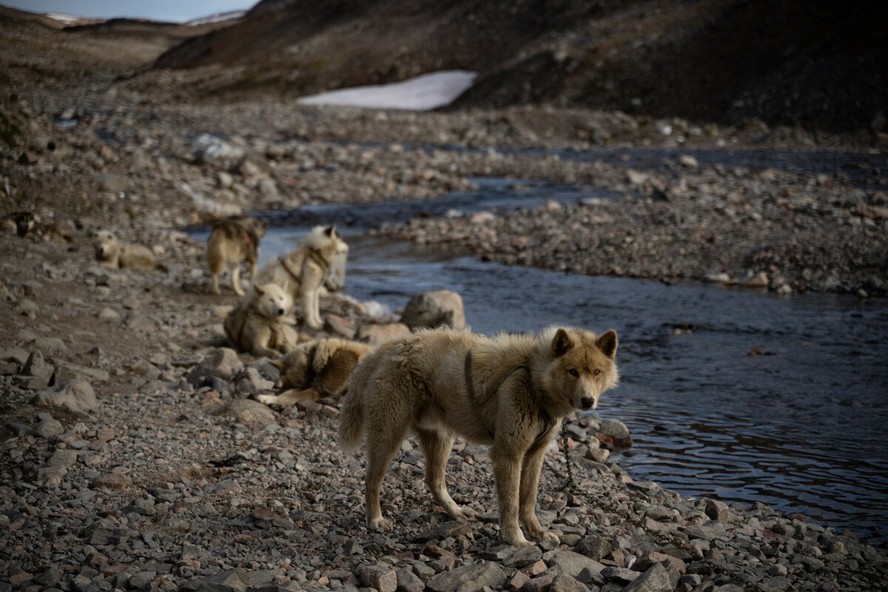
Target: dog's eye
[(573, 372), (596, 372)]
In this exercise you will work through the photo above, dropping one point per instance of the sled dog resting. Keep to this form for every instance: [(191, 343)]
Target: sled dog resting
[(315, 370), (115, 254), (233, 241), (318, 262), (261, 324), (509, 391)]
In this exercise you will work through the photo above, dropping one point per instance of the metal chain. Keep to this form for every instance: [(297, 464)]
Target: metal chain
[(571, 486)]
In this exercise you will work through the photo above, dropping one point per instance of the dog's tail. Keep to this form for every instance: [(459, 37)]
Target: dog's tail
[(351, 421)]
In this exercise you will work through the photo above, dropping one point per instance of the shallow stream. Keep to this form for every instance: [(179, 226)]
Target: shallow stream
[(729, 393)]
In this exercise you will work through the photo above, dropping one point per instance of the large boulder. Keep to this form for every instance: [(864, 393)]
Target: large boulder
[(430, 310)]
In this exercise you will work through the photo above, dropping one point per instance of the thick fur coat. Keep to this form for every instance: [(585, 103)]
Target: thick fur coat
[(509, 391)]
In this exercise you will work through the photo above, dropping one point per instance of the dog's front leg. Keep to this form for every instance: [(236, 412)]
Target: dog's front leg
[(312, 279), (530, 481), (507, 472)]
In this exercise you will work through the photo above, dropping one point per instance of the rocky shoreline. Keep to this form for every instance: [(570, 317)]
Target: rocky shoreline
[(168, 475)]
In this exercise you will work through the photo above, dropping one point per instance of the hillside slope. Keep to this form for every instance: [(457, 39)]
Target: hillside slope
[(819, 64)]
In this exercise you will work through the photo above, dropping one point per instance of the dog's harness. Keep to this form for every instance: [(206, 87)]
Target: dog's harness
[(286, 267), (548, 422), (314, 255)]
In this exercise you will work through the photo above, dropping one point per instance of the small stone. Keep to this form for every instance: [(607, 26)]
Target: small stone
[(381, 578), (49, 427)]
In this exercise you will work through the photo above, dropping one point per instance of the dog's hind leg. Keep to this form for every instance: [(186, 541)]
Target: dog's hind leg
[(436, 446), (235, 279), (385, 432)]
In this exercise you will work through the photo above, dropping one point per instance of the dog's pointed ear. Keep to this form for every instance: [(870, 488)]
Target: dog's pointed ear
[(331, 230), (607, 343), (561, 343), (258, 289)]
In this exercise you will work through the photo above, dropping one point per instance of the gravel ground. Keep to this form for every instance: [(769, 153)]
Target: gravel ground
[(159, 471)]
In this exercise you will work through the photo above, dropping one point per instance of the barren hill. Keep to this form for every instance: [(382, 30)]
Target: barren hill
[(817, 63)]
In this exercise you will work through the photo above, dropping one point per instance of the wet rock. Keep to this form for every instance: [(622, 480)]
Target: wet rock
[(759, 280), (717, 510), (435, 309), (613, 433)]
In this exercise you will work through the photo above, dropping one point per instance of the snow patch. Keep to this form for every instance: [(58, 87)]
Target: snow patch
[(422, 93), (68, 19)]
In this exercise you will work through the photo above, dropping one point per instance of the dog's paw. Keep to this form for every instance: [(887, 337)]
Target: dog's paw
[(549, 536), (516, 539), (267, 399), (541, 534), (466, 514), (380, 524)]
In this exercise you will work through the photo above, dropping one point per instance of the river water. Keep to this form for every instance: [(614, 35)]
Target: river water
[(729, 393)]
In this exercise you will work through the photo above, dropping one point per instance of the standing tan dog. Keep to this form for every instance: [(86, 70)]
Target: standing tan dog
[(112, 253), (316, 370), (509, 391), (303, 272), (262, 323), (233, 241)]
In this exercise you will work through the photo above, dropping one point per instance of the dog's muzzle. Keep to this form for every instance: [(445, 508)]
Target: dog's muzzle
[(587, 403)]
